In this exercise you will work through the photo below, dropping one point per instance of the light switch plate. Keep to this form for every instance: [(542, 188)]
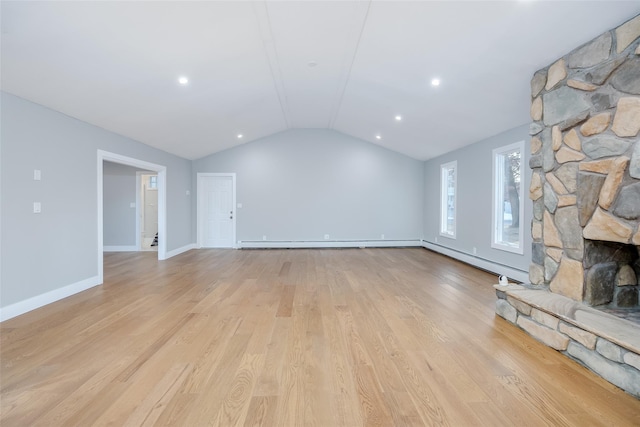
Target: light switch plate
[(132, 204), (37, 175), (37, 207)]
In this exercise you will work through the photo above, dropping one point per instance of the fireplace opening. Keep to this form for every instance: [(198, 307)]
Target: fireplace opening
[(611, 278)]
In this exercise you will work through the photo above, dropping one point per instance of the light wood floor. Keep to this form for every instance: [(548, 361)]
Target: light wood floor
[(291, 337)]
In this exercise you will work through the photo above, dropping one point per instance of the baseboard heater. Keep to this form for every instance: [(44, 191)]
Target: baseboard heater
[(310, 244), (481, 263)]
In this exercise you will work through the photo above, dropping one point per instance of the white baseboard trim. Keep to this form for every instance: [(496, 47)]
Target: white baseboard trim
[(178, 251), (498, 269), (38, 301), (131, 248), (311, 244)]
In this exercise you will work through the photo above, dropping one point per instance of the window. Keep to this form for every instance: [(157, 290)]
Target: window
[(153, 181), (508, 200), (448, 182)]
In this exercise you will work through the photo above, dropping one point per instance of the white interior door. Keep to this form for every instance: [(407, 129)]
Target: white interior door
[(217, 213)]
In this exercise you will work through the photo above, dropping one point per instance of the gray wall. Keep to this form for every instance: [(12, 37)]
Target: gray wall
[(474, 201), (59, 247), (119, 191), (297, 185), (302, 184)]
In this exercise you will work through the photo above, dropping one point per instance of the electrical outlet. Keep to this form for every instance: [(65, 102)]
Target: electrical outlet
[(264, 237), (326, 237), (382, 236), (37, 175), (436, 239), (475, 251)]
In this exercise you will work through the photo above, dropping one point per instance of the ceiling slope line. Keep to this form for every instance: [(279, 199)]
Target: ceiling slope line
[(268, 41), (342, 88)]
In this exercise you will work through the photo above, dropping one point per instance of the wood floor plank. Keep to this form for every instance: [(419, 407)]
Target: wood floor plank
[(261, 412), (286, 301), (350, 337), (219, 381), (150, 409), (236, 401), (207, 361), (84, 395), (372, 403)]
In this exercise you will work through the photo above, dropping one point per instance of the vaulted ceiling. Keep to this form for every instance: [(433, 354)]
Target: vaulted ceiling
[(258, 68)]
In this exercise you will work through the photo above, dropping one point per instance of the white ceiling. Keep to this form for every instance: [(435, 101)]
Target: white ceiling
[(116, 65)]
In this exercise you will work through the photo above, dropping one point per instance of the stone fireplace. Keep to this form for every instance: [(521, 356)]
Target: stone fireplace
[(586, 172), (585, 188)]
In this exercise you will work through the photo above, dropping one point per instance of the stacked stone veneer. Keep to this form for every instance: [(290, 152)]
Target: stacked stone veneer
[(586, 171)]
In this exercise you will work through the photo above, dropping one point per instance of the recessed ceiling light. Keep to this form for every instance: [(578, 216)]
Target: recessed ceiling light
[(312, 64), (398, 117), (240, 136), (378, 137), (183, 80), (435, 82)]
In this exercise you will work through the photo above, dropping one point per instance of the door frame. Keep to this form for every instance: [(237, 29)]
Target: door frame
[(140, 206), (201, 206), (139, 209), (161, 170)]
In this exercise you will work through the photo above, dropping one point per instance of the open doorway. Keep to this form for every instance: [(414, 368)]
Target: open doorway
[(148, 211), (122, 208), (161, 172)]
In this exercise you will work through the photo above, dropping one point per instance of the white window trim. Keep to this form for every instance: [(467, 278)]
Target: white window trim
[(443, 199), (496, 197)]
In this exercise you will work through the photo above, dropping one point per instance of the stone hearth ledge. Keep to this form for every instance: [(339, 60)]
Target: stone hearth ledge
[(604, 344), (622, 332)]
